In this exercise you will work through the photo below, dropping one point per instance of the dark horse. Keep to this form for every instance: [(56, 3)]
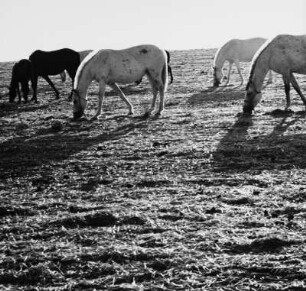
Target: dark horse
[(53, 63), (169, 70), (21, 73)]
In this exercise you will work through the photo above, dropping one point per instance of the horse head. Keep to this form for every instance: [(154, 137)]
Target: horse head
[(252, 98), (217, 73), (79, 104)]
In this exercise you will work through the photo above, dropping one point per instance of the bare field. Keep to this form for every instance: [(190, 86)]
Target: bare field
[(201, 198)]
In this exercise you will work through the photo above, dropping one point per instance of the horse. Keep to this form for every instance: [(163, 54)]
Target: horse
[(21, 73), (53, 63), (235, 51), (169, 70), (109, 67), (285, 54), (82, 54)]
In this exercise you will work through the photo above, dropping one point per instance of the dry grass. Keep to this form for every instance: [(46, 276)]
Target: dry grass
[(200, 198)]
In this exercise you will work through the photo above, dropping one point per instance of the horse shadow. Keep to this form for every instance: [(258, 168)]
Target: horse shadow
[(219, 95), (25, 156), (15, 108), (239, 151)]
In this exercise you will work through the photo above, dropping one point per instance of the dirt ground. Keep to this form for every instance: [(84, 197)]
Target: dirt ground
[(201, 198)]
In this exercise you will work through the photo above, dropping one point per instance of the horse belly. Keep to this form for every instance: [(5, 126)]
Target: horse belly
[(126, 71)]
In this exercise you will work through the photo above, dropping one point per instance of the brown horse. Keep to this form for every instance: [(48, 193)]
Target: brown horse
[(51, 63), (21, 73)]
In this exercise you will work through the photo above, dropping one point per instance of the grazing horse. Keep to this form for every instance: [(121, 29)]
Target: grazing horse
[(53, 63), (169, 70), (82, 54), (235, 51), (109, 67), (285, 54), (21, 73)]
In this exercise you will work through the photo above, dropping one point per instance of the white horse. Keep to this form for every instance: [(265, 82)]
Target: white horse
[(235, 51), (109, 67), (285, 54), (82, 54)]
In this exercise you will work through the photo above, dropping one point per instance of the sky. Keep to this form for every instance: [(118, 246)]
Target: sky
[(27, 25)]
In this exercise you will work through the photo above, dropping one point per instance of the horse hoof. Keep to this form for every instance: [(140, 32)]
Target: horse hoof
[(159, 113), (147, 114)]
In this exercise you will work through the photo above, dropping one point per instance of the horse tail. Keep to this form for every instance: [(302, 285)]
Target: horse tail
[(164, 74), (168, 56)]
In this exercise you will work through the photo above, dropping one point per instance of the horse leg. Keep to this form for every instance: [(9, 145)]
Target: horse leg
[(153, 83), (287, 92), (102, 86), (228, 73), (18, 93), (297, 88), (239, 71), (52, 85), (25, 90), (161, 100), (71, 74), (34, 87), (269, 81), (123, 97)]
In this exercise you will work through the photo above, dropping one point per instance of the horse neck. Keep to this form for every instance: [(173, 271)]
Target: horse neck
[(83, 80), (260, 69), (220, 58)]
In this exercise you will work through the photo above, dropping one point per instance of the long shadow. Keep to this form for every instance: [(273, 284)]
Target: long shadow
[(22, 156), (220, 94), (9, 108), (238, 151)]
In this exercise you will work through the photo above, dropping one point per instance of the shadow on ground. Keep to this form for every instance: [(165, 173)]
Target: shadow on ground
[(239, 151)]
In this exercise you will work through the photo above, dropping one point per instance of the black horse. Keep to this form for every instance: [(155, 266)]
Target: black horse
[(169, 70), (21, 73), (53, 63)]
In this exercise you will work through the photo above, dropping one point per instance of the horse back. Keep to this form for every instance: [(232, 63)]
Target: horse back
[(54, 62), (241, 49), (288, 53), (129, 65)]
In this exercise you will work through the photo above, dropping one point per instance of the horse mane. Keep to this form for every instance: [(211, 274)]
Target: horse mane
[(82, 66), (255, 59), (216, 56), (220, 49)]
